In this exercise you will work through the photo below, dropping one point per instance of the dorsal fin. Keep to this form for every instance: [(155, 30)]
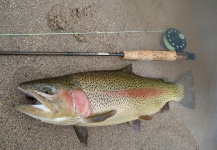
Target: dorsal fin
[(128, 68), (165, 79)]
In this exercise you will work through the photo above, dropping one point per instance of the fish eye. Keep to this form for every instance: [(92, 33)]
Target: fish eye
[(48, 89)]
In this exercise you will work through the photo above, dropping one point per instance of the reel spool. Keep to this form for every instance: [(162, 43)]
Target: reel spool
[(174, 40)]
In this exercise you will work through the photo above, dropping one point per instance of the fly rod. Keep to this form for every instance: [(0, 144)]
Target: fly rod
[(126, 54)]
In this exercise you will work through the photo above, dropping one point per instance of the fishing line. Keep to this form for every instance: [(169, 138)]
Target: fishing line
[(79, 33), (172, 39)]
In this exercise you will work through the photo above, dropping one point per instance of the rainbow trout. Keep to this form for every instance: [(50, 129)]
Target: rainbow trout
[(101, 98)]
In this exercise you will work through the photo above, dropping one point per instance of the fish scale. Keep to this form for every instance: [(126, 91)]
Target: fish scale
[(101, 98), (111, 81), (90, 94), (96, 84)]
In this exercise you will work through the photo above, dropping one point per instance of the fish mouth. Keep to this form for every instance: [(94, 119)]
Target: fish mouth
[(39, 106), (30, 97)]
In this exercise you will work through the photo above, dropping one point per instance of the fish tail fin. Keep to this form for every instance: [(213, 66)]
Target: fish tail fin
[(186, 90)]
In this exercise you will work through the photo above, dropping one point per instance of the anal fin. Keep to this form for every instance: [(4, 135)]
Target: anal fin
[(82, 134), (135, 125), (165, 108)]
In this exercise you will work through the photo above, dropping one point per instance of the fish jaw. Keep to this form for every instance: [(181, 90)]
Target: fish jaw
[(40, 112), (62, 108), (43, 111), (46, 105)]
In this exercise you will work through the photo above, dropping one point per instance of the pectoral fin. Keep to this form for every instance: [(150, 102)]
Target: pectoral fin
[(135, 125), (100, 117), (145, 117), (82, 134)]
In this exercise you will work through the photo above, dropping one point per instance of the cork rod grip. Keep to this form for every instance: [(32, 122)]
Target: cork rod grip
[(149, 55)]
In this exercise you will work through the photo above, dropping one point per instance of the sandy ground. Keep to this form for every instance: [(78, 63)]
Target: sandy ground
[(178, 129)]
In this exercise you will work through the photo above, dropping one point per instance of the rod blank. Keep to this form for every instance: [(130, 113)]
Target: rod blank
[(127, 54), (61, 53)]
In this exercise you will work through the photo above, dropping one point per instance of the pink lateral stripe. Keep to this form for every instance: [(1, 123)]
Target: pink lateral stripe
[(138, 93)]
